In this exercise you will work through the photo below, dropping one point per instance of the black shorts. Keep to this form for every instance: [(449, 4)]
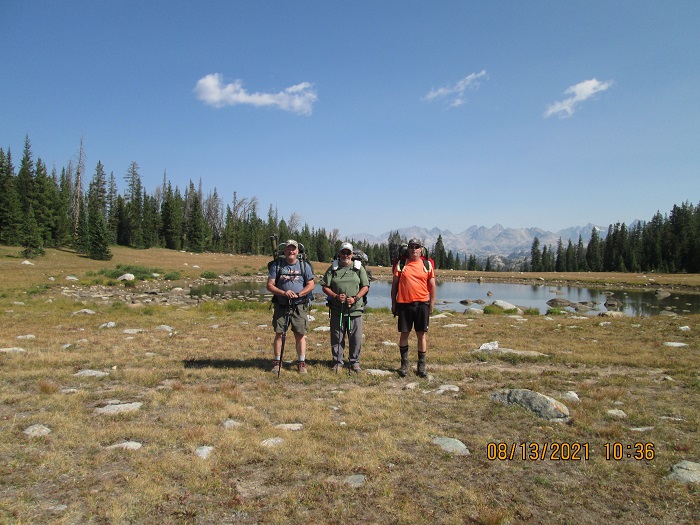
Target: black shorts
[(413, 316)]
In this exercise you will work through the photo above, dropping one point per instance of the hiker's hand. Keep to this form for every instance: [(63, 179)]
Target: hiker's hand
[(290, 294), (342, 297), (351, 301)]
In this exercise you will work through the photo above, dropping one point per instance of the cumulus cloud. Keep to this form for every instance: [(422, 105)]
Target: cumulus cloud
[(577, 93), (211, 90), (455, 94)]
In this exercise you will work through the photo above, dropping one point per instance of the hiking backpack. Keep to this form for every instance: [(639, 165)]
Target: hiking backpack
[(359, 259), (400, 261)]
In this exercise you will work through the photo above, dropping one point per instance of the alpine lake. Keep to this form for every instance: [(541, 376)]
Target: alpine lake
[(458, 296)]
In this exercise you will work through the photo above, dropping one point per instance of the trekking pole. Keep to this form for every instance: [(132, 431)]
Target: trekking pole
[(284, 337)]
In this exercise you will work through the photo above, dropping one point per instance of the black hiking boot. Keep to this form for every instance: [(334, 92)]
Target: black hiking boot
[(421, 372), (403, 371)]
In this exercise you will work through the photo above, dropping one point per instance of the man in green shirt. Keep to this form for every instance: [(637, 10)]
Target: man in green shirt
[(346, 283)]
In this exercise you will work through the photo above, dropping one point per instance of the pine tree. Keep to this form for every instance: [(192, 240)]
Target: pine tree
[(10, 207), (535, 256), (33, 246)]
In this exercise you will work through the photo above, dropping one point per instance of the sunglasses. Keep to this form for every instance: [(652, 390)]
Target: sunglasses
[(414, 246), (346, 252)]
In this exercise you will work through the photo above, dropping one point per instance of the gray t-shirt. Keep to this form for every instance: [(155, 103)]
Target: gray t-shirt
[(290, 277)]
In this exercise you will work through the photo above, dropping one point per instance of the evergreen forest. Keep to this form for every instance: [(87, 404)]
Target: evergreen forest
[(86, 212)]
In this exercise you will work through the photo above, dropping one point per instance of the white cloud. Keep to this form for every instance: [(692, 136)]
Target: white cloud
[(455, 94), (211, 90), (577, 93)]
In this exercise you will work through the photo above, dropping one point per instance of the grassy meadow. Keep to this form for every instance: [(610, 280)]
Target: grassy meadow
[(211, 368)]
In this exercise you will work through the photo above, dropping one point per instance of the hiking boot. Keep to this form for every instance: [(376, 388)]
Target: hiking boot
[(403, 371), (356, 368), (301, 366), (275, 366), (336, 367), (421, 368)]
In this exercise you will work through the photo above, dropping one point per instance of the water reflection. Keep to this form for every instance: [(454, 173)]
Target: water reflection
[(633, 303)]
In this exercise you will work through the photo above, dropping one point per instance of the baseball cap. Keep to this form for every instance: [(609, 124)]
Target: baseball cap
[(415, 241), (345, 246), (292, 242)]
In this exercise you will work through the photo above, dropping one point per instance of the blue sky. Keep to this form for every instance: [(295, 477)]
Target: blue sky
[(368, 116)]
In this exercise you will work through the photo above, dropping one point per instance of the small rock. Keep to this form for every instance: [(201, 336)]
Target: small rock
[(354, 481), (126, 277), (231, 423), (121, 408), (686, 471), (290, 426), (126, 445), (378, 372), (272, 442), (37, 431), (110, 324), (570, 396), (675, 345), (451, 445), (617, 413), (204, 451), (85, 311), (27, 337), (13, 350), (91, 373)]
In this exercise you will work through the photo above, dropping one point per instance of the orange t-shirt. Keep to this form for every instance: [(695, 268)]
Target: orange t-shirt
[(413, 282)]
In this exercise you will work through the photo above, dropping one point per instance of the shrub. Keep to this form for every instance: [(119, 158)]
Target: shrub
[(208, 274)]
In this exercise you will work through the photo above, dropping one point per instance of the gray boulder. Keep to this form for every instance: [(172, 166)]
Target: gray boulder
[(544, 406)]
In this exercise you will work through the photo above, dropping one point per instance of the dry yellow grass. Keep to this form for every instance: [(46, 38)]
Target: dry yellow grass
[(212, 368)]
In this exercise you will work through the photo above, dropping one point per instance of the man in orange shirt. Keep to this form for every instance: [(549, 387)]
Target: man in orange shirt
[(413, 300)]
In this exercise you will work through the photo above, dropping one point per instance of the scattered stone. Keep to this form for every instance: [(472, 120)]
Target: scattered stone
[(544, 406), (611, 314), (410, 386), (641, 429), (389, 343), (91, 373), (12, 350), (37, 431), (378, 372), (507, 306), (447, 388), (617, 413), (272, 442), (452, 446), (675, 345), (231, 423), (685, 471), (488, 348), (322, 329), (27, 337), (668, 313), (134, 331), (126, 445), (354, 481), (571, 396), (473, 311), (57, 508), (662, 294), (85, 311), (121, 408), (493, 345), (204, 451), (71, 278), (126, 277), (438, 316), (110, 324), (455, 325), (290, 426), (684, 328), (29, 263)]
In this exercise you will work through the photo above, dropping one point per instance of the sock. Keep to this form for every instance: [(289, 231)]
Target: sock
[(421, 356), (302, 358), (404, 351), (277, 358)]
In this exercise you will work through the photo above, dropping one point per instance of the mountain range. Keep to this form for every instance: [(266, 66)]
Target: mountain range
[(485, 242)]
